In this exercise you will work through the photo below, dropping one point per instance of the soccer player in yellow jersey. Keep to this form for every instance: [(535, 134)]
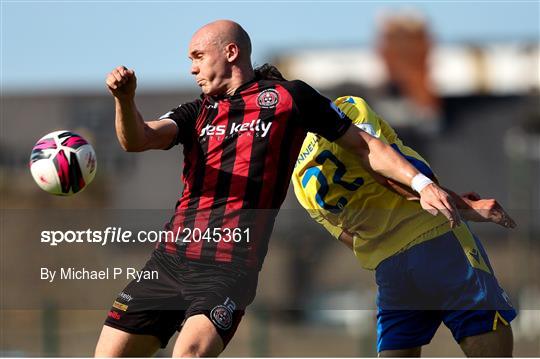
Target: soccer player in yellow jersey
[(426, 272)]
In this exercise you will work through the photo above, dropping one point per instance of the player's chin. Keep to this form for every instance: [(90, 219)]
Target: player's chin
[(206, 90), (209, 91)]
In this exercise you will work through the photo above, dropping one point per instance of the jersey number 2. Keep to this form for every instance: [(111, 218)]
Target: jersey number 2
[(323, 182)]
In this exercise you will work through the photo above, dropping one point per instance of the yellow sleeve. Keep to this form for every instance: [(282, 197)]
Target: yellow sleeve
[(335, 231), (387, 131), (363, 116)]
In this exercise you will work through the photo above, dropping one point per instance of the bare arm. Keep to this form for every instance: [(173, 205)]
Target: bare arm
[(347, 239), (379, 157), (477, 209), (133, 133), (470, 205)]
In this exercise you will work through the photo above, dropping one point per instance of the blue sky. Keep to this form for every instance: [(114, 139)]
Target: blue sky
[(72, 45)]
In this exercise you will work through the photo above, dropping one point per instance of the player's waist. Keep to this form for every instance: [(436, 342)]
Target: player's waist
[(210, 202), (178, 260), (372, 250), (230, 240), (372, 222), (239, 258)]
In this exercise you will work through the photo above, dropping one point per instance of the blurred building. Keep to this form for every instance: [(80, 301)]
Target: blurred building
[(407, 74), (454, 69)]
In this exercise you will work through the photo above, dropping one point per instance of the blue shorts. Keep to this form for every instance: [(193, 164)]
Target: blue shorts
[(446, 279)]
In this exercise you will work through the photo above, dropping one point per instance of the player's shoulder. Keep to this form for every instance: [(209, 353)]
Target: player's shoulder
[(294, 87), (298, 85), (358, 110), (355, 107)]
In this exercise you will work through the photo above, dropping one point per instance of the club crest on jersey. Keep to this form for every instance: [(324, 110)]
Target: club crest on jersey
[(221, 315), (268, 98)]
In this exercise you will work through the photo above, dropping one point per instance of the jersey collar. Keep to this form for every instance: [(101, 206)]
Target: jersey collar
[(240, 88)]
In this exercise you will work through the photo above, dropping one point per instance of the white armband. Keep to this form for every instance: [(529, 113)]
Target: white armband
[(419, 182)]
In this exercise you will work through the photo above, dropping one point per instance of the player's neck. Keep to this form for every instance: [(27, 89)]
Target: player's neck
[(239, 78)]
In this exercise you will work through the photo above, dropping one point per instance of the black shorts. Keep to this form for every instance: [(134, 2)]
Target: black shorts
[(181, 289)]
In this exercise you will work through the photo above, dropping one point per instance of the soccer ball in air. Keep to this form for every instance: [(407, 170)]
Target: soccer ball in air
[(63, 163)]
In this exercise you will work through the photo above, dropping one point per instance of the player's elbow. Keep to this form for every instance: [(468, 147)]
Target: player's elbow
[(137, 139), (128, 146)]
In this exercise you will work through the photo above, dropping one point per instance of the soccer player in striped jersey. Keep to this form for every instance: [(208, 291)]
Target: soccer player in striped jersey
[(240, 141), (427, 272)]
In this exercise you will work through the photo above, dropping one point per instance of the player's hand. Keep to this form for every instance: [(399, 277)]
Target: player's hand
[(435, 200), (488, 210), (347, 239), (473, 196), (121, 83)]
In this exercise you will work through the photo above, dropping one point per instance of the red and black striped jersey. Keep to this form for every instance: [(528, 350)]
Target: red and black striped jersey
[(239, 154)]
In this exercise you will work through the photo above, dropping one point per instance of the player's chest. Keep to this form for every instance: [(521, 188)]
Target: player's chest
[(241, 120)]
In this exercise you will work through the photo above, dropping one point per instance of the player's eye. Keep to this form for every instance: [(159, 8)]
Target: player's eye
[(195, 56)]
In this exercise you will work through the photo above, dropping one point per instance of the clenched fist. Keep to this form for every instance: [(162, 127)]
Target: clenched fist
[(122, 83)]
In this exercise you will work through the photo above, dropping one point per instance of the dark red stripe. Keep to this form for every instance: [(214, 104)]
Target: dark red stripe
[(288, 153), (212, 165), (226, 176), (259, 153), (192, 177), (277, 149), (238, 190)]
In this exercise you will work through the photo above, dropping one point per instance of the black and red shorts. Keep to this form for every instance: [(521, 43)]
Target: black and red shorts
[(179, 290)]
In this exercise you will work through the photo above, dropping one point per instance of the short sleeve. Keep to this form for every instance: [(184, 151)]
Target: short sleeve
[(184, 116), (317, 113), (334, 230)]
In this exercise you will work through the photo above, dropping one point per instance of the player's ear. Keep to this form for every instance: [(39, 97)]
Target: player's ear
[(231, 52)]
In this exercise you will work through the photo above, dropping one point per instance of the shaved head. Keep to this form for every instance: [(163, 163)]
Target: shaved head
[(224, 32), (220, 54)]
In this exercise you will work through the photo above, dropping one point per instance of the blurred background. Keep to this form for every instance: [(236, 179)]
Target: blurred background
[(459, 82)]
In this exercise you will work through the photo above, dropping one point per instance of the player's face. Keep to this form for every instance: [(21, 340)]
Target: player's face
[(209, 65)]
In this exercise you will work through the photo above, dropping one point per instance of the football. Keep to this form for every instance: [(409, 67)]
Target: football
[(63, 163)]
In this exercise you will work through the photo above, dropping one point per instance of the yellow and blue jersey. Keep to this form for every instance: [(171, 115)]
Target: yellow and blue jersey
[(331, 184), (420, 262)]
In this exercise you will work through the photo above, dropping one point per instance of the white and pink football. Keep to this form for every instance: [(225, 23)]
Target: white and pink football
[(63, 163)]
